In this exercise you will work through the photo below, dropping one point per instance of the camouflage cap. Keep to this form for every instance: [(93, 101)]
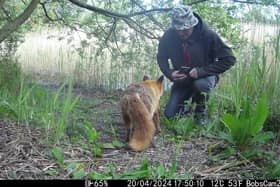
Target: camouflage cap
[(183, 17)]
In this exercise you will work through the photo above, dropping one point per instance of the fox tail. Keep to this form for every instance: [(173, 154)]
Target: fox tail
[(143, 128)]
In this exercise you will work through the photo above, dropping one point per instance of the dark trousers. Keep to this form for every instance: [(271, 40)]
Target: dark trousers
[(198, 90)]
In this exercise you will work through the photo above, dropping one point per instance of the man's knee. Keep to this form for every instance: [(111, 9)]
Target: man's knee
[(201, 86), (204, 84), (170, 113)]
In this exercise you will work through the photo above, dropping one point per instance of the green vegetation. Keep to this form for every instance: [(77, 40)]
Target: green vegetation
[(247, 125), (145, 171)]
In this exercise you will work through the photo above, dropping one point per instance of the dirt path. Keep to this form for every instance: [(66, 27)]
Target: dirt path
[(25, 155)]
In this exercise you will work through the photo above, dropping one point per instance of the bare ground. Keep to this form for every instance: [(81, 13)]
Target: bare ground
[(24, 153)]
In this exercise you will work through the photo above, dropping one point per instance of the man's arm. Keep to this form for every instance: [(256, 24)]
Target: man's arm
[(162, 59), (224, 59)]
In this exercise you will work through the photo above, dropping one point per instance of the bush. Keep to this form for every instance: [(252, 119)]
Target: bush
[(10, 75)]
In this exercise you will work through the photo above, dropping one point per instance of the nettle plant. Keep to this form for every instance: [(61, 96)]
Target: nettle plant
[(245, 127)]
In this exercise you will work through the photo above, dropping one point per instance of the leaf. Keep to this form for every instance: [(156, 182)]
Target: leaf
[(76, 170), (117, 144), (108, 146), (6, 108), (231, 122), (249, 123), (145, 164), (71, 167), (140, 174), (80, 174), (250, 153), (226, 136), (57, 153), (260, 115), (51, 172), (172, 169), (96, 150), (160, 171), (229, 151), (263, 137), (99, 176), (143, 172), (276, 171), (93, 135), (12, 175)]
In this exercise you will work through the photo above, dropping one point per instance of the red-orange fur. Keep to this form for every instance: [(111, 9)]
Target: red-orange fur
[(140, 110)]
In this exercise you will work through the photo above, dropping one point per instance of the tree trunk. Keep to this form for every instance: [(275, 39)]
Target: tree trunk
[(13, 25)]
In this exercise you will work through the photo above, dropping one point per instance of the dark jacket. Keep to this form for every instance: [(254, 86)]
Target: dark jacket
[(208, 53)]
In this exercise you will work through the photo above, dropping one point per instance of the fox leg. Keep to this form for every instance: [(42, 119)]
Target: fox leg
[(156, 120), (128, 126)]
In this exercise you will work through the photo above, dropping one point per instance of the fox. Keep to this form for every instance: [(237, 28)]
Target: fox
[(140, 112)]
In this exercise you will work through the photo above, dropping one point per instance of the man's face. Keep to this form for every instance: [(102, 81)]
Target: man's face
[(184, 34)]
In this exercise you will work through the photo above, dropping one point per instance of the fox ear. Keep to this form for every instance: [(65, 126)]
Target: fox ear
[(146, 77), (160, 79)]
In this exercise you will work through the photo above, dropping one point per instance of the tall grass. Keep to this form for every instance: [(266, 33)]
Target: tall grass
[(74, 56), (35, 105), (256, 75)]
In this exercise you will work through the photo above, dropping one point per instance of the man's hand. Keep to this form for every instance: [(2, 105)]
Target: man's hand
[(177, 76), (193, 73)]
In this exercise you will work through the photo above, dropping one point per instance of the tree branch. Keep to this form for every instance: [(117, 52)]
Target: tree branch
[(127, 18), (114, 14), (10, 27), (113, 27), (46, 13), (258, 3), (137, 27), (150, 16), (7, 14)]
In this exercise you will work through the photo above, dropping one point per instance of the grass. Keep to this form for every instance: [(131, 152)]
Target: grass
[(59, 58), (35, 105)]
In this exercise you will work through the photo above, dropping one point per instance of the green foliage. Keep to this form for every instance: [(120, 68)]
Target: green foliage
[(220, 18), (57, 153), (92, 137), (10, 11), (38, 106), (224, 154), (8, 110), (145, 171), (273, 171), (66, 109), (160, 172), (250, 122), (76, 170), (256, 73), (109, 173), (10, 75), (183, 127)]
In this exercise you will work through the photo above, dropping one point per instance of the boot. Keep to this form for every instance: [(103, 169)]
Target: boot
[(200, 116)]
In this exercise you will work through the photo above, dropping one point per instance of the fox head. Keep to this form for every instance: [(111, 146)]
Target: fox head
[(160, 84), (146, 77), (155, 85)]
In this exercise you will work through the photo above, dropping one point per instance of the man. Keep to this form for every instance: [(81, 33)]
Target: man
[(197, 55)]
